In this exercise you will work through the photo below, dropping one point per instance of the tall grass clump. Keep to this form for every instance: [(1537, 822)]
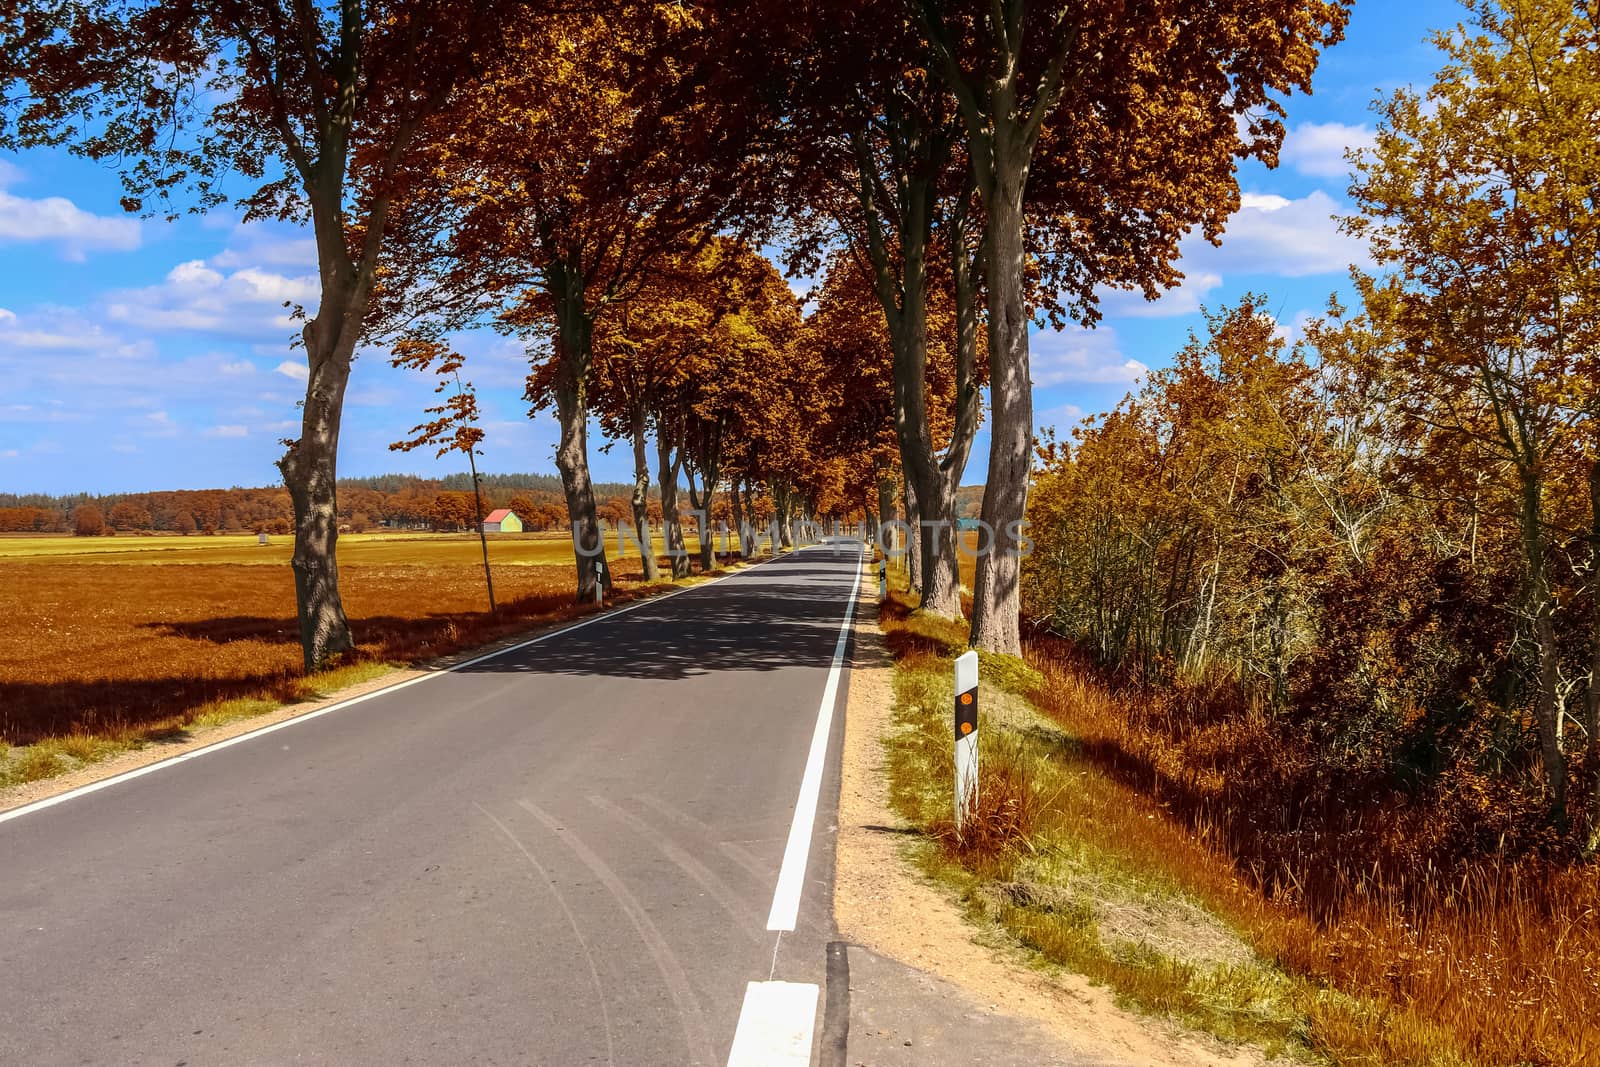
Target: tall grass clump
[(1374, 893)]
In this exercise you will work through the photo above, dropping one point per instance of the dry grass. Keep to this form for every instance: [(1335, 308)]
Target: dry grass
[(405, 549), (1491, 962), (1105, 878), (107, 651)]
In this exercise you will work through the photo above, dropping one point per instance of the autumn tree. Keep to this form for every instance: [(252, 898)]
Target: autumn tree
[(453, 428), (1481, 199), (1098, 136), (872, 146), (88, 521), (744, 358), (311, 109), (584, 157)]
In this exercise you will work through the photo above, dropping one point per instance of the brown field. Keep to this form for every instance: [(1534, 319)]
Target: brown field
[(113, 638)]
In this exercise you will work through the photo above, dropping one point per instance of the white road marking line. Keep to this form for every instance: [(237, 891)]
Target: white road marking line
[(173, 761), (792, 875), (776, 1025)]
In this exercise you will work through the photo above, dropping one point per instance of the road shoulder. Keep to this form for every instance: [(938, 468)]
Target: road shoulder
[(923, 967)]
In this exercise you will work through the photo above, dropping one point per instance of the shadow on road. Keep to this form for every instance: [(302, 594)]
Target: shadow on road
[(787, 617)]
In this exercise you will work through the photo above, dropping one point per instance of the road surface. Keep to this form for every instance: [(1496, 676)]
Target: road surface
[(571, 853)]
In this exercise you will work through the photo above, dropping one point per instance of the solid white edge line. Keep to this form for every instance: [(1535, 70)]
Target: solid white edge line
[(173, 761), (776, 1025), (791, 876)]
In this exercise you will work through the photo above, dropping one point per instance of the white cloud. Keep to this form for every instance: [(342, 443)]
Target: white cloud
[(226, 431), (265, 245), (237, 368), (59, 329), (158, 424), (1275, 235), (1080, 355), (1318, 148), (57, 219), (291, 369), (195, 296), (1183, 299), (10, 453)]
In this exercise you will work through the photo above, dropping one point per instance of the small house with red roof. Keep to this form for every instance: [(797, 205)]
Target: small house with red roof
[(502, 520)]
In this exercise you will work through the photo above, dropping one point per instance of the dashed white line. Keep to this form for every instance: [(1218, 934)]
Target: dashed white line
[(776, 1025)]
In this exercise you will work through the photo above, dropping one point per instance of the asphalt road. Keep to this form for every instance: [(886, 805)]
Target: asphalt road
[(567, 854)]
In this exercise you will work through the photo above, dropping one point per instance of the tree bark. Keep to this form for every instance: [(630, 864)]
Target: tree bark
[(736, 502), (310, 471), (483, 538), (781, 501), (641, 496), (1592, 698), (701, 506), (996, 603), (886, 508), (913, 538), (573, 333), (667, 471), (1541, 606)]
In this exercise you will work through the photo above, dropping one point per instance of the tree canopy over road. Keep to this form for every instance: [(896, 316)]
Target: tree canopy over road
[(594, 179)]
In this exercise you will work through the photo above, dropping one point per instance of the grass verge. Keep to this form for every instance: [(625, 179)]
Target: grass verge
[(1082, 873)]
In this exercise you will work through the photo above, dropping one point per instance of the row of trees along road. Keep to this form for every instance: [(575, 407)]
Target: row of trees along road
[(537, 167)]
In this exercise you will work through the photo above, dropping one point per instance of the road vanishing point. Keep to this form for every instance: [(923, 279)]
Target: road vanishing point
[(609, 845)]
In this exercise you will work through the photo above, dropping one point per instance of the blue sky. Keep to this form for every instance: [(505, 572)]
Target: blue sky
[(137, 354)]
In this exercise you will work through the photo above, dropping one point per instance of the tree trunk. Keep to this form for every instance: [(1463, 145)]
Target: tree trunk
[(572, 453), (886, 508), (941, 567), (708, 536), (483, 538), (780, 501), (641, 497), (913, 538), (667, 471), (310, 471), (310, 465), (736, 502), (701, 505), (901, 281), (1541, 606), (996, 605), (749, 515), (1592, 698)]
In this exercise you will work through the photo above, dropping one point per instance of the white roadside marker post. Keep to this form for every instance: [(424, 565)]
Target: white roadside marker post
[(599, 580), (966, 737), (883, 580)]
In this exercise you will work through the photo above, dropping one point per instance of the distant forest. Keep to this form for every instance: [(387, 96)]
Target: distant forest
[(387, 501), (396, 501)]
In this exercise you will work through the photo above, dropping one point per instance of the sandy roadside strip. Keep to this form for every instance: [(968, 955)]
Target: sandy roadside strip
[(883, 904)]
